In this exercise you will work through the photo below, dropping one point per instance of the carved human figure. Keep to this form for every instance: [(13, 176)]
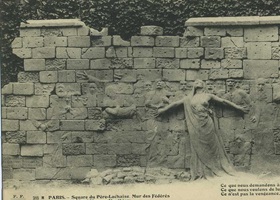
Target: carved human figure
[(208, 156)]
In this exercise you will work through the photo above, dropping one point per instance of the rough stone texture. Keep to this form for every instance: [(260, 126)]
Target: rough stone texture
[(193, 31), (36, 137), (231, 64), (17, 43), (173, 74), (167, 63), (80, 161), (214, 53), (102, 41), (142, 41), (22, 52), (142, 52), (254, 69), (32, 150), (34, 64), (43, 52), (73, 149), (235, 53), (145, 63), (28, 42), (53, 41), (195, 52), (79, 41), (190, 64), (15, 101), (151, 30), (48, 77), (23, 88), (18, 137), (10, 125), (11, 149), (77, 64), (93, 52), (118, 41), (181, 52), (258, 50), (25, 77), (264, 33), (232, 42), (209, 64), (16, 113), (164, 52), (215, 31), (167, 41), (37, 101), (72, 125), (189, 41), (211, 41)]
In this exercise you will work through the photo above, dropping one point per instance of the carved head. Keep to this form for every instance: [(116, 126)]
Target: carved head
[(159, 84), (198, 84), (93, 88), (183, 85), (60, 90), (148, 85), (260, 84), (230, 84), (210, 86), (246, 88)]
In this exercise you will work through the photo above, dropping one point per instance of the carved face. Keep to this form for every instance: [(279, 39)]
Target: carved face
[(230, 83), (260, 84), (60, 90), (148, 85), (198, 84), (246, 88), (210, 85), (183, 85), (159, 84), (92, 88)]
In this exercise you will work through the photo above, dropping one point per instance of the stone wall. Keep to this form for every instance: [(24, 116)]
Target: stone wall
[(87, 100)]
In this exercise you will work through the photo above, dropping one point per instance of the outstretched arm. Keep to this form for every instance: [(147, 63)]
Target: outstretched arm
[(85, 76), (174, 104), (227, 102)]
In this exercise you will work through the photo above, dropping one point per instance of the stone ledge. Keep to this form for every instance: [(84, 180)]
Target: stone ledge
[(232, 21), (52, 23)]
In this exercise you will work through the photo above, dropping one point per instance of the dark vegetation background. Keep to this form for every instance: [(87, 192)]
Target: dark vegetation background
[(122, 17)]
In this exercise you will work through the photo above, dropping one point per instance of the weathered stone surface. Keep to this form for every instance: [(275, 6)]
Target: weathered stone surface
[(194, 31), (145, 63), (99, 41), (30, 32), (235, 73), (73, 149), (121, 63), (234, 31), (173, 74), (48, 76), (218, 74), (209, 64), (119, 88), (32, 162), (53, 41), (181, 52), (95, 113), (34, 64), (211, 41), (232, 42), (43, 52), (125, 75), (143, 52), (24, 174), (117, 52), (17, 43), (37, 101), (190, 63), (77, 113), (150, 74), (80, 161), (77, 64), (72, 125), (151, 30), (128, 160), (167, 41), (275, 52), (11, 162), (22, 52), (24, 77), (103, 32), (18, 137), (95, 125), (10, 125), (4, 112), (7, 89), (263, 33), (195, 52), (11, 149), (36, 137), (118, 41), (189, 41), (28, 42), (63, 52), (258, 50), (43, 89), (69, 31), (15, 101), (51, 32), (37, 113), (32, 150), (167, 63), (55, 64), (231, 64), (100, 64), (235, 53), (142, 41), (164, 52), (214, 53), (254, 69), (54, 160), (79, 173), (66, 76), (28, 125), (217, 31), (93, 52), (79, 41), (17, 113), (51, 173)]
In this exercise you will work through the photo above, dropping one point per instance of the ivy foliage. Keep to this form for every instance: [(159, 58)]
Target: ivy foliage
[(122, 17)]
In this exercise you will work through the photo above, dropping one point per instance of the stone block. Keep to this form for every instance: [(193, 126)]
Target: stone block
[(77, 113), (18, 137), (52, 173), (139, 149), (43, 52), (36, 137), (7, 89), (218, 74), (15, 101), (30, 42), (4, 113), (195, 52), (235, 73), (54, 160), (231, 123), (263, 33), (95, 125), (73, 125), (100, 64), (100, 41), (104, 75), (10, 125), (94, 32), (151, 30), (95, 113), (189, 41), (84, 30), (59, 137), (85, 136), (48, 76), (214, 53), (194, 31), (167, 41), (142, 41), (28, 125), (77, 64), (181, 52), (24, 174), (235, 53), (125, 75), (73, 149), (164, 52), (190, 63), (38, 101), (51, 32), (80, 161), (118, 41), (11, 149), (93, 52), (11, 162), (258, 50), (17, 113), (234, 31), (167, 63), (22, 52), (32, 150), (34, 64), (197, 74), (32, 162), (220, 31), (63, 52), (67, 89), (145, 63), (37, 113), (121, 63), (17, 43), (79, 41), (254, 69), (101, 161), (209, 64), (174, 74), (55, 64), (232, 42), (69, 31), (43, 89), (120, 88), (28, 32), (149, 74), (53, 41), (142, 52), (275, 52), (211, 41), (117, 52), (24, 77), (79, 173), (231, 64), (67, 76)]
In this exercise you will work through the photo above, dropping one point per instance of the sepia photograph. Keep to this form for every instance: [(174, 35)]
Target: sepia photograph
[(140, 99)]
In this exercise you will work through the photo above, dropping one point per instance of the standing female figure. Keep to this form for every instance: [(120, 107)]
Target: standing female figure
[(208, 156)]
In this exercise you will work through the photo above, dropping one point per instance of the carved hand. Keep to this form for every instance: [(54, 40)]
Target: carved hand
[(83, 75), (244, 109)]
